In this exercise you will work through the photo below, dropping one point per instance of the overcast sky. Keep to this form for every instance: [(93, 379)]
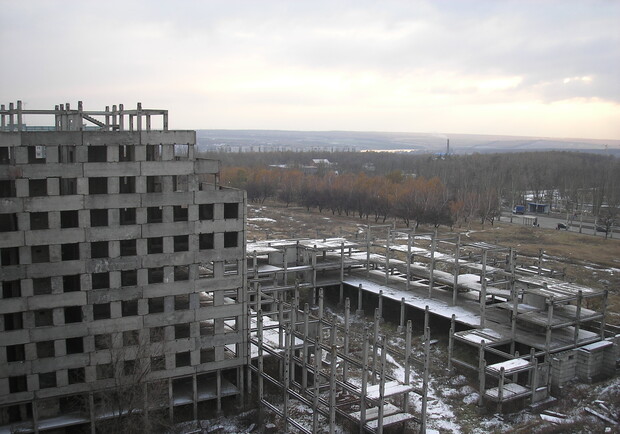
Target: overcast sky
[(537, 68)]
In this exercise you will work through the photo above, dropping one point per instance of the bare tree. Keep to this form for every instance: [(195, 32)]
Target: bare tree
[(131, 403)]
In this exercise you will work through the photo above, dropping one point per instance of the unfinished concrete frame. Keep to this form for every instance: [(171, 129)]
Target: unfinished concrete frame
[(315, 362), (128, 245), (504, 300)]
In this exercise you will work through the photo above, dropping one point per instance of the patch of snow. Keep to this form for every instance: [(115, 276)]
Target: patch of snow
[(472, 398), (261, 219)]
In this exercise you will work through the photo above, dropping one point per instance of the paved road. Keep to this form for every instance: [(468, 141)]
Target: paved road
[(551, 222)]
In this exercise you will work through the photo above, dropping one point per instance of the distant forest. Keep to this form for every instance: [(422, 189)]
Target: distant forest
[(429, 189)]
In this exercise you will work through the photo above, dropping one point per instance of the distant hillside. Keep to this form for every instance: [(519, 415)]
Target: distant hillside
[(270, 140)]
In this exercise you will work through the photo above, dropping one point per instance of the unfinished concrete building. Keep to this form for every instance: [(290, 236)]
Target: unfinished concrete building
[(122, 263)]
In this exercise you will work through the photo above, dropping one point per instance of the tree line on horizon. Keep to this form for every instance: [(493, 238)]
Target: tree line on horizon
[(429, 189)]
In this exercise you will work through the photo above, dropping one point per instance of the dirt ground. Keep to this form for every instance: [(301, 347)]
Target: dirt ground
[(587, 259)]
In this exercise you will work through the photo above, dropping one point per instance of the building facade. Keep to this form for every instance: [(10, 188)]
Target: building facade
[(122, 270)]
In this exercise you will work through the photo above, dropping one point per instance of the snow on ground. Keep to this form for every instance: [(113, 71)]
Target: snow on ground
[(261, 219)]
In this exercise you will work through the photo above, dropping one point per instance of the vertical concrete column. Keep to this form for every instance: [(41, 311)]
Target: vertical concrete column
[(19, 116), (483, 288), (139, 117), (380, 305), (401, 325), (121, 117), (360, 310)]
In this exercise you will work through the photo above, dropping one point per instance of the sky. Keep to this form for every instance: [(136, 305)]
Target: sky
[(540, 68)]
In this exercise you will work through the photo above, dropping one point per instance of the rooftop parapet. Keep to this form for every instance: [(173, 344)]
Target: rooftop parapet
[(67, 119)]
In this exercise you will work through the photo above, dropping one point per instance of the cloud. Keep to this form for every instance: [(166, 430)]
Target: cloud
[(319, 62)]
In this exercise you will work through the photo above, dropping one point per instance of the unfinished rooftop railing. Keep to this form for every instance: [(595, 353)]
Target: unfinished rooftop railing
[(116, 118)]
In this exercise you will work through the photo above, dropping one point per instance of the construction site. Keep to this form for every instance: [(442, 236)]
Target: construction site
[(126, 272), (516, 328)]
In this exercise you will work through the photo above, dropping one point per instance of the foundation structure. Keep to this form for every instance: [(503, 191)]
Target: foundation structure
[(122, 272)]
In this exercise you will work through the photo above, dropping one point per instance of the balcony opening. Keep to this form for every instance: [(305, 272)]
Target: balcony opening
[(40, 254), (127, 184), (73, 314), (181, 152), (181, 243), (231, 239), (179, 213), (37, 187), (66, 154), (154, 214), (157, 334), (182, 359), (69, 219), (15, 353), (8, 222), (231, 210), (181, 302), (181, 272), (129, 277), (155, 245), (128, 248), (206, 298), (156, 275), (127, 216), (101, 311), (126, 153), (129, 367), (11, 289), (206, 270), (156, 305), (100, 280), (180, 183), (105, 371), (97, 154), (45, 349), (99, 249), (9, 255), (231, 268), (47, 380), (7, 188), (207, 355), (13, 321), (70, 252), (153, 184), (153, 152), (74, 345), (158, 363), (129, 307), (181, 331), (37, 154), (39, 220), (43, 318), (98, 185), (131, 337), (67, 186), (18, 384), (76, 375), (5, 155), (42, 285), (205, 241), (103, 342), (71, 283), (205, 211), (98, 217)]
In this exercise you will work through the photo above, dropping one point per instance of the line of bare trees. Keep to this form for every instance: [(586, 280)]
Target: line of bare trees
[(445, 190), (416, 200)]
